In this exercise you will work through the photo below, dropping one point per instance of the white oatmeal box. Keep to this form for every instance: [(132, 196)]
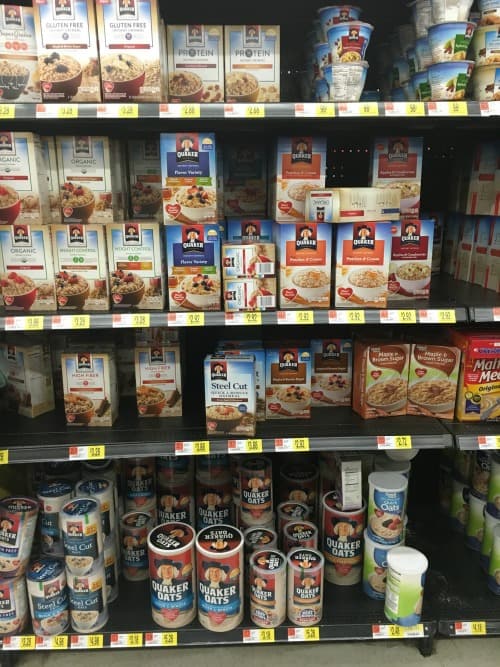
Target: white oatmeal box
[(19, 77), (331, 382), (50, 155), (158, 381), (145, 179), (411, 259), (288, 383)]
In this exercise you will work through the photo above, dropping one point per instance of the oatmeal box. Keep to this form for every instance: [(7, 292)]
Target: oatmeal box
[(136, 266), (67, 50), (130, 49), (410, 269), (19, 77), (189, 179), (158, 381), (145, 179), (245, 179), (80, 267), (90, 388), (193, 265), (195, 63), (26, 268), (249, 230), (49, 151), (288, 383), (331, 382)]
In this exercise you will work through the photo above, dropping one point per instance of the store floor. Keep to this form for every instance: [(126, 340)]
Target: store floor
[(456, 653)]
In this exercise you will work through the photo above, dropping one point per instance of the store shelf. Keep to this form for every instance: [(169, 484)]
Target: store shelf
[(476, 435)]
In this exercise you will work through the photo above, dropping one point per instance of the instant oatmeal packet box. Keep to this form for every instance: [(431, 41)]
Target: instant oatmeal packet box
[(245, 179), (410, 269), (331, 382), (288, 383), (49, 151), (158, 381), (144, 167), (20, 81)]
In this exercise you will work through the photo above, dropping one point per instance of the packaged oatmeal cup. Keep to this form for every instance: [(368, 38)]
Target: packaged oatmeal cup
[(386, 506), (490, 523), (493, 498), (450, 41), (256, 491), (268, 588), (14, 607), (81, 527), (291, 510), (332, 15), (87, 598), (404, 593), (103, 491), (52, 495), (449, 80), (375, 567), (475, 522), (459, 506), (111, 563), (490, 12), (172, 574), (299, 534), (486, 46), (48, 596), (18, 517), (219, 558), (494, 565), (486, 83), (349, 41), (305, 586), (135, 528), (342, 542), (423, 54)]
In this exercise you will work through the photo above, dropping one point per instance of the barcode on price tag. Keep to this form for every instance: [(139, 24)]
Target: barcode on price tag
[(87, 453), (194, 447), (470, 628), (303, 634), (186, 319), (291, 444), (394, 442), (126, 640), (346, 317), (258, 636), (160, 639), (253, 446), (488, 441)]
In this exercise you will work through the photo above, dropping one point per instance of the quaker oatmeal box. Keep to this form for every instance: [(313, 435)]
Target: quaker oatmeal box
[(304, 256), (67, 50), (230, 395), (189, 180), (362, 270), (130, 49), (79, 253), (249, 230), (298, 165), (410, 269), (381, 372), (18, 56), (255, 349), (193, 265), (195, 63), (145, 179), (26, 268), (158, 381), (23, 180), (288, 383), (90, 388), (331, 381), (136, 266), (49, 151), (242, 260), (245, 179), (249, 294), (432, 381)]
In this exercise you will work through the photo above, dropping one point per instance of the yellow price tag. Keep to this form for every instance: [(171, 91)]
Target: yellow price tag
[(96, 452), (407, 316), (304, 317), (95, 641), (201, 447), (402, 441), (169, 638), (80, 322), (355, 317), (140, 320), (395, 632), (60, 642), (265, 636), (253, 446), (368, 109), (4, 456), (300, 444), (311, 634), (27, 643), (7, 111), (33, 323), (190, 111), (324, 110), (134, 639), (128, 111), (252, 319), (67, 111), (457, 108), (447, 317), (478, 628), (195, 319), (415, 109), (255, 111)]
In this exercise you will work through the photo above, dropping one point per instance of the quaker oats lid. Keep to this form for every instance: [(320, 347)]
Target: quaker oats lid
[(54, 489), (267, 561), (258, 538), (219, 540), (171, 537), (43, 569)]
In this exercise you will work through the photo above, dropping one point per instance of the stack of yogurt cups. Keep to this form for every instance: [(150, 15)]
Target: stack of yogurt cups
[(485, 50)]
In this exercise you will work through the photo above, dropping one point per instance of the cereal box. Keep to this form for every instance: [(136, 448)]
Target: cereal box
[(188, 170), (411, 259), (454, 222), (288, 383), (158, 381), (80, 267), (362, 272), (230, 395), (193, 264), (249, 294), (304, 255), (18, 56), (381, 372), (145, 179), (255, 349), (136, 266), (50, 155), (482, 240), (298, 165), (322, 206), (130, 48), (368, 204), (91, 191), (245, 179), (67, 50), (195, 63), (90, 388), (23, 180), (437, 240), (493, 258), (252, 63), (331, 382), (464, 248), (478, 397), (248, 260), (26, 268), (242, 230), (397, 164)]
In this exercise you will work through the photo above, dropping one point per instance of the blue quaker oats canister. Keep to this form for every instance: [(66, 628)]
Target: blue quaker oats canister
[(52, 495), (48, 596), (88, 603), (80, 522), (135, 528)]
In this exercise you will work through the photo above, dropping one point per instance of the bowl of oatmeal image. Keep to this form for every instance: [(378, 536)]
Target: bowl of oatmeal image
[(413, 276), (185, 87), (201, 290), (146, 200), (368, 283), (242, 87), (60, 75), (433, 395), (197, 203), (312, 284), (388, 395), (122, 73), (294, 398), (10, 205), (335, 387), (13, 79), (127, 288), (77, 201), (297, 192), (410, 192), (71, 289), (79, 409), (223, 417), (18, 291), (150, 401)]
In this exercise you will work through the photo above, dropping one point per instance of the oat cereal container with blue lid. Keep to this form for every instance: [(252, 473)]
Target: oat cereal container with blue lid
[(52, 495), (18, 517), (219, 559), (81, 526), (111, 567), (172, 574), (494, 565), (14, 608), (103, 491), (375, 567), (404, 593), (267, 588), (134, 529), (88, 603), (386, 506), (48, 596), (493, 497), (305, 586)]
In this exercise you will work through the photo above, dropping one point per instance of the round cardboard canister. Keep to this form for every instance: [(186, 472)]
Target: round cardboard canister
[(386, 506), (490, 522), (256, 489), (213, 502), (291, 510), (213, 466), (52, 495), (299, 482), (475, 522), (219, 558), (103, 491), (48, 596), (176, 502), (305, 586), (140, 483), (135, 528), (494, 565), (268, 588), (235, 477), (173, 469), (404, 593), (111, 567), (342, 542), (172, 574), (109, 469), (14, 613), (459, 505), (375, 567), (18, 517), (258, 538), (299, 534), (88, 604), (494, 486), (81, 527), (384, 464), (481, 471)]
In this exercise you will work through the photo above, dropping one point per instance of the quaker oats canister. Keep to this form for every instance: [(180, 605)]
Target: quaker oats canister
[(172, 574), (140, 487), (375, 567), (494, 566), (52, 495), (80, 522), (102, 490), (475, 522), (18, 517), (111, 567), (135, 528), (13, 606), (299, 534), (404, 593), (48, 596), (268, 588), (386, 506), (213, 502), (87, 598), (305, 586), (219, 554), (300, 483), (342, 542), (176, 502), (256, 491), (291, 510)]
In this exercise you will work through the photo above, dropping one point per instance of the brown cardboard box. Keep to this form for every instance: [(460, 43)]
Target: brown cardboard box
[(158, 381)]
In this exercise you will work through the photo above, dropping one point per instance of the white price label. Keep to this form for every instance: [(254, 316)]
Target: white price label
[(186, 319), (258, 636), (129, 320), (409, 109), (397, 631), (394, 442), (87, 453), (303, 634), (68, 111), (128, 110), (496, 314), (191, 110), (243, 319), (126, 640), (437, 316), (71, 321), (244, 111), (87, 641), (470, 628), (253, 446), (152, 639), (295, 316), (28, 323), (291, 445), (398, 317), (192, 448), (490, 108), (57, 643), (488, 441), (19, 643), (346, 317), (315, 110)]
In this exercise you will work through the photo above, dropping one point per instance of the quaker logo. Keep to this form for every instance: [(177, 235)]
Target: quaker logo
[(398, 149), (81, 585), (218, 370), (301, 150), (84, 361), (252, 35), (13, 16), (288, 360), (5, 602), (51, 589), (21, 235), (193, 240), (250, 229), (194, 35), (11, 353), (132, 233), (187, 148), (76, 235), (410, 233), (306, 237), (363, 236), (63, 9), (82, 146), (331, 349), (151, 150), (7, 143), (127, 9), (156, 355), (74, 528), (353, 34)]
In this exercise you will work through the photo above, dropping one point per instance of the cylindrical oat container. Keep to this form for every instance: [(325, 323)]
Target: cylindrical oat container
[(384, 464), (404, 593), (305, 586), (490, 523), (475, 522), (48, 596), (494, 565), (235, 463), (173, 470), (213, 502), (176, 502), (14, 606), (135, 528), (299, 482), (291, 511), (81, 526), (219, 558), (459, 506), (213, 466), (52, 496), (258, 538), (18, 516), (140, 487), (481, 471), (103, 491), (111, 567), (494, 486), (268, 588), (88, 605), (172, 574), (375, 567), (109, 469), (342, 542), (256, 488), (462, 465), (386, 506), (299, 534)]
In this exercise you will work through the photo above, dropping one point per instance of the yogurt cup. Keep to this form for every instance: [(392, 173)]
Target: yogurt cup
[(494, 565), (349, 41), (486, 45), (449, 80), (140, 484), (111, 567), (421, 86), (176, 502), (135, 528), (300, 483), (103, 491), (299, 534), (423, 53), (493, 498), (422, 17), (291, 510), (256, 482), (333, 15), (305, 587), (375, 567), (486, 83), (268, 588), (18, 517), (404, 593), (172, 574), (87, 598), (475, 523), (459, 506), (450, 10), (348, 81), (386, 506), (213, 502), (14, 608), (490, 12), (48, 596), (81, 527), (52, 495), (342, 542), (490, 522), (450, 41)]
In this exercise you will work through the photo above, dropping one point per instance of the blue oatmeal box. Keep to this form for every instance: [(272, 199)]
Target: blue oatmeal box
[(249, 229)]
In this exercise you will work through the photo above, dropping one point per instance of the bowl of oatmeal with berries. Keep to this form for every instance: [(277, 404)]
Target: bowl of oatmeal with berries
[(18, 291), (71, 289), (77, 201), (127, 288), (10, 205), (201, 291)]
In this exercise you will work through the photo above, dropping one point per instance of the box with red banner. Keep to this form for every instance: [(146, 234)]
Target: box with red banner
[(411, 259)]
